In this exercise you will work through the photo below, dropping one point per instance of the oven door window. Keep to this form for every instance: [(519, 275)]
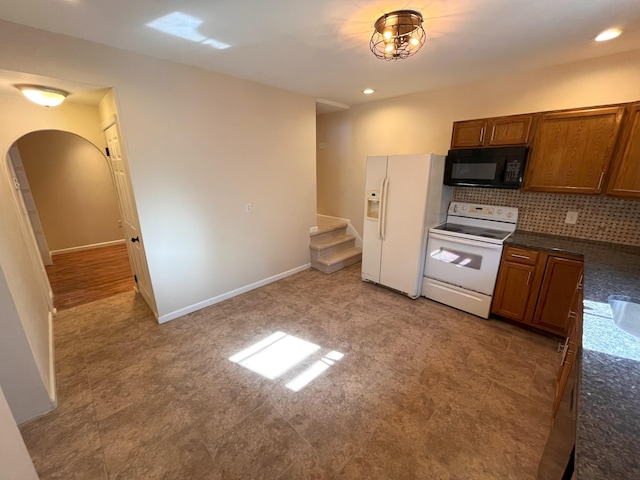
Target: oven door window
[(468, 264), (458, 258)]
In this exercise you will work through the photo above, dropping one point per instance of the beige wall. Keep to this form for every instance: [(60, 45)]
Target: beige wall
[(200, 145), (15, 461), (72, 188), (422, 122), (24, 387)]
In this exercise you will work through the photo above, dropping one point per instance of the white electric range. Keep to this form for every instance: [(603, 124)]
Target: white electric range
[(463, 255)]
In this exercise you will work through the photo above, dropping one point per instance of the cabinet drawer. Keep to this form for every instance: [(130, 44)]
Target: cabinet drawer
[(520, 255)]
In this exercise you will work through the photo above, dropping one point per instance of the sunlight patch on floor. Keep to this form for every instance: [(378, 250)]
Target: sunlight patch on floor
[(278, 353)]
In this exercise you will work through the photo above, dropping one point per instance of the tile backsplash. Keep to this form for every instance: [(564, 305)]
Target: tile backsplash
[(600, 218)]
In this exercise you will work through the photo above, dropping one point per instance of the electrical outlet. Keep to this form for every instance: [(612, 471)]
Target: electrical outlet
[(572, 218), (247, 208), (313, 229)]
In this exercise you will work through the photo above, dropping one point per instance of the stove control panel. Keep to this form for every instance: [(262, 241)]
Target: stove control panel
[(488, 212)]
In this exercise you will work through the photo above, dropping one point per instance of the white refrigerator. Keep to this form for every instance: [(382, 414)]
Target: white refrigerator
[(404, 197)]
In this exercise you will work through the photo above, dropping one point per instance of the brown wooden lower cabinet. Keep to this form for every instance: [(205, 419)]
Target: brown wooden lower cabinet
[(536, 287), (561, 278), (513, 290), (571, 346), (543, 289)]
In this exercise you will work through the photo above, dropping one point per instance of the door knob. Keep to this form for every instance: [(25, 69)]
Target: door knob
[(135, 239)]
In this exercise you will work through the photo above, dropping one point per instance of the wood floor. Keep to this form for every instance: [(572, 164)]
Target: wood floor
[(88, 275)]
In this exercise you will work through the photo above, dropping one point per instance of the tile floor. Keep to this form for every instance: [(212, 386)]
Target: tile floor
[(422, 391)]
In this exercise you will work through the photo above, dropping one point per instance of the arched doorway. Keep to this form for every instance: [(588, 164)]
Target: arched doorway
[(71, 203)]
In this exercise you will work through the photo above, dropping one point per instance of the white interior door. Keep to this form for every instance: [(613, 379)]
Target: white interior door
[(128, 212), (30, 238), (22, 182)]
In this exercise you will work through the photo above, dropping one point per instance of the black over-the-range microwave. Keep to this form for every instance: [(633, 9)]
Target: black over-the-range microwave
[(500, 167)]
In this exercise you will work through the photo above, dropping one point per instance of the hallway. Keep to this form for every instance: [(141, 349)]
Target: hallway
[(85, 276)]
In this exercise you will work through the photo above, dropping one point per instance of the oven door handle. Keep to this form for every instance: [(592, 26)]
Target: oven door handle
[(473, 243)]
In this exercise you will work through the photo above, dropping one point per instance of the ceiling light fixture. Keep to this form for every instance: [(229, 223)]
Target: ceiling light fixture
[(368, 91), (45, 96), (609, 34), (398, 35)]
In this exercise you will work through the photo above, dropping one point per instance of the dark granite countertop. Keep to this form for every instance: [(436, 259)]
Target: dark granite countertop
[(608, 436)]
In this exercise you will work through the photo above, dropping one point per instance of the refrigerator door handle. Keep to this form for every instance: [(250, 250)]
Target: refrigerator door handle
[(380, 209), (383, 209)]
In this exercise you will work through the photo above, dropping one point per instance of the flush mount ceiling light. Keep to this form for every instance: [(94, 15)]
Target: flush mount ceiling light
[(45, 96), (368, 91), (609, 34), (398, 35)]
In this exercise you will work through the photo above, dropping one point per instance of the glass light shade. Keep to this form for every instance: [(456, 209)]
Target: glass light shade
[(609, 34), (45, 96), (398, 35)]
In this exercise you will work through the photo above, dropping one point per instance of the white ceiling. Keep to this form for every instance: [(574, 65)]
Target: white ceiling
[(321, 47)]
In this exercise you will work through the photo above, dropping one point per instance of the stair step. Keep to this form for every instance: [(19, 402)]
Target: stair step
[(328, 226), (328, 242), (338, 260)]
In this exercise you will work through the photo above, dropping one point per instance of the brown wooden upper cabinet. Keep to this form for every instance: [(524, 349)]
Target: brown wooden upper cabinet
[(625, 176), (492, 132), (572, 150)]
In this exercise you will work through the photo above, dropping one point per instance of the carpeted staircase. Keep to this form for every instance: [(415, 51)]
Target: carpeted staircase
[(332, 249)]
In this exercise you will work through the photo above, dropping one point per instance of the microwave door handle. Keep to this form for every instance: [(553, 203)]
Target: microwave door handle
[(382, 223), (473, 243)]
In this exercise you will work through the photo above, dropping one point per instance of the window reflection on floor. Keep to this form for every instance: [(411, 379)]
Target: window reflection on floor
[(278, 353)]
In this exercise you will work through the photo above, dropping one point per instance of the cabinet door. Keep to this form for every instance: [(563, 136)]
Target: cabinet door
[(513, 289), (561, 278), (572, 345), (625, 178), (568, 358), (572, 150), (468, 134), (513, 130)]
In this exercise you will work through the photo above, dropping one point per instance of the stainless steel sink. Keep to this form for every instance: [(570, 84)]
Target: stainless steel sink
[(626, 313)]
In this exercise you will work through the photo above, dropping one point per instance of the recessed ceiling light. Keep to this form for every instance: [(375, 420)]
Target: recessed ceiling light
[(609, 34), (368, 91)]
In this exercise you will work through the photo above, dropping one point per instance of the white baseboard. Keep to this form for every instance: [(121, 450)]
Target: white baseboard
[(350, 229), (211, 301), (86, 247)]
